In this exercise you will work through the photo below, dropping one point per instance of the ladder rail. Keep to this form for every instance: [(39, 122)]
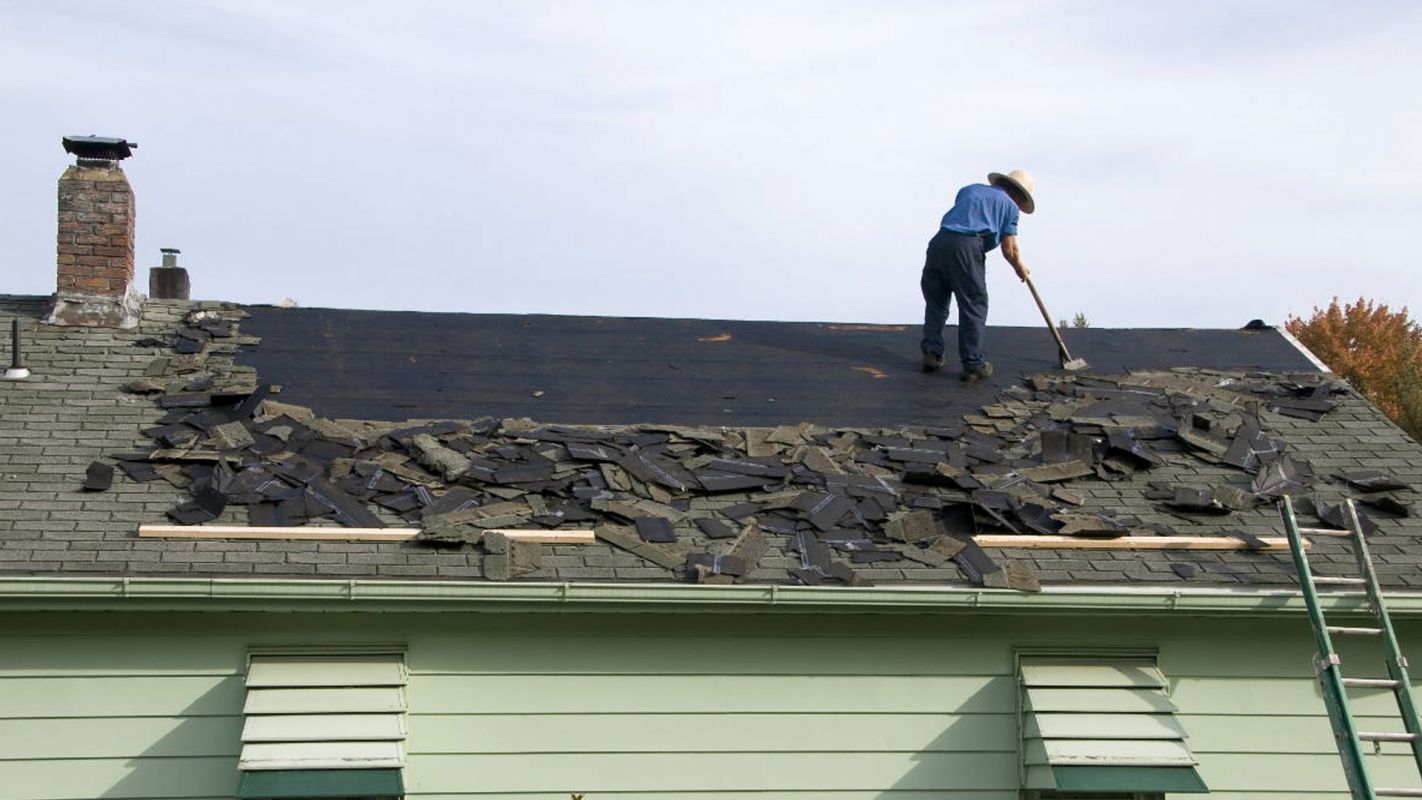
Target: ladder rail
[(1335, 697), (1396, 661)]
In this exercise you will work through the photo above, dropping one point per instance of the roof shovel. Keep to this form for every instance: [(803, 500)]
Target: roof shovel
[(1068, 363)]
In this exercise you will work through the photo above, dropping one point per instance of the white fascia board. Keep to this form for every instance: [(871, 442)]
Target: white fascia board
[(1307, 353)]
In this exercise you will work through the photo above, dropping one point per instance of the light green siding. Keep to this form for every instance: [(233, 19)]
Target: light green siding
[(731, 706)]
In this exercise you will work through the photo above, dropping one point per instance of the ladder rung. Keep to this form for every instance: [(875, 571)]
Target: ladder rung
[(1378, 736), (1330, 579), (1371, 683), (1398, 792), (1356, 631), (1324, 532)]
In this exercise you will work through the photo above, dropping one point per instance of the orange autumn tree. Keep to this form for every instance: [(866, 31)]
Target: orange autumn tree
[(1376, 349)]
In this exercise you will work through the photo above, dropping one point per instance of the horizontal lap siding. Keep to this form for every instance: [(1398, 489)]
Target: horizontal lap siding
[(803, 715), (813, 715), (540, 710), (184, 778), (119, 736), (111, 707), (728, 708), (443, 734), (1251, 705)]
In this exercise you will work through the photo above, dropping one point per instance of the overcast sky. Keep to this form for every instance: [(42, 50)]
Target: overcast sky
[(1198, 164)]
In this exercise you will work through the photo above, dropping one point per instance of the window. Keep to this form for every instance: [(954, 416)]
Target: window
[(1100, 729), (327, 726)]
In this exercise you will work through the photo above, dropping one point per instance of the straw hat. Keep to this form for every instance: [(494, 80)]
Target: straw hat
[(1018, 180)]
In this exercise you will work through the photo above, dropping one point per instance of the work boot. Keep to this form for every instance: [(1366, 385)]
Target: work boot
[(981, 373), (932, 362)]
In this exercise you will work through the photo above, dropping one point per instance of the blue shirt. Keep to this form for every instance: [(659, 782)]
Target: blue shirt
[(983, 210)]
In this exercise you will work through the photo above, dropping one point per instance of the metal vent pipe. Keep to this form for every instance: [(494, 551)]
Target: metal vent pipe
[(17, 371)]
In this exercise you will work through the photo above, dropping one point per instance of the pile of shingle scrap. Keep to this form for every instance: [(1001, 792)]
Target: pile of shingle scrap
[(709, 502)]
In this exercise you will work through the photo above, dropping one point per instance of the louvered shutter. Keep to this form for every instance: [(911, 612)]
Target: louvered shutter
[(1101, 726), (331, 721)]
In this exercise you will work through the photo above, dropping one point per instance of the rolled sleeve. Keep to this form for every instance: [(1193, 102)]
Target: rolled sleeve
[(1009, 226)]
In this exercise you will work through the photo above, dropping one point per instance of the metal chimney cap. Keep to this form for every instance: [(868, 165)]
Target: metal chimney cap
[(99, 148), (169, 250)]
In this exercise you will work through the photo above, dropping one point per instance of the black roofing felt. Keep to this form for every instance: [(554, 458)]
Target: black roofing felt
[(606, 370)]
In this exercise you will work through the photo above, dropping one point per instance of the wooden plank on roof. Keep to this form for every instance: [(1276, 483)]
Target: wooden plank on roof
[(548, 537), (1057, 542), (1088, 674), (336, 534), (277, 671), (340, 700)]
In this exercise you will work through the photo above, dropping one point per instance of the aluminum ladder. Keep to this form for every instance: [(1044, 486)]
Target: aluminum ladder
[(1329, 667)]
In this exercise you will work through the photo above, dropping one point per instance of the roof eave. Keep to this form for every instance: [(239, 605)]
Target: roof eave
[(28, 593)]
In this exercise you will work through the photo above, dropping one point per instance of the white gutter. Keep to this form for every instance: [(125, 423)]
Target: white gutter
[(227, 594)]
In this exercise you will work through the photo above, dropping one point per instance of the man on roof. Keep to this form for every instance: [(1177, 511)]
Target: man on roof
[(982, 217)]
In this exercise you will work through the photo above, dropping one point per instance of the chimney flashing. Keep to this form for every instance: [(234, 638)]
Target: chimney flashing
[(95, 311)]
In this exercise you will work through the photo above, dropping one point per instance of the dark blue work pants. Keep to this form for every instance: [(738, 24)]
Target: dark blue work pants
[(956, 266)]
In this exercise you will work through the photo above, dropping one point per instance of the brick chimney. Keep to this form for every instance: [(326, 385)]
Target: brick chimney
[(96, 237)]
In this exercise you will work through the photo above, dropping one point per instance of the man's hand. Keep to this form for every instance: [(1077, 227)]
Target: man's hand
[(1014, 257)]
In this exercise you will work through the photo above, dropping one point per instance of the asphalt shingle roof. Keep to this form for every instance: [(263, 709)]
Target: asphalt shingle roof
[(74, 411)]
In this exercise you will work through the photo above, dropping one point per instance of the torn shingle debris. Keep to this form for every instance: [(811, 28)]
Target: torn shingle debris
[(1333, 515), (709, 502), (1387, 504), (98, 477), (1371, 480)]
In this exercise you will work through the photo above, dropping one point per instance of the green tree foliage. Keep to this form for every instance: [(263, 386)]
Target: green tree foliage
[(1376, 349)]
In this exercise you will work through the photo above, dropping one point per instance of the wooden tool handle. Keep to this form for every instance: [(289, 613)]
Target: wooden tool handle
[(1051, 326)]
